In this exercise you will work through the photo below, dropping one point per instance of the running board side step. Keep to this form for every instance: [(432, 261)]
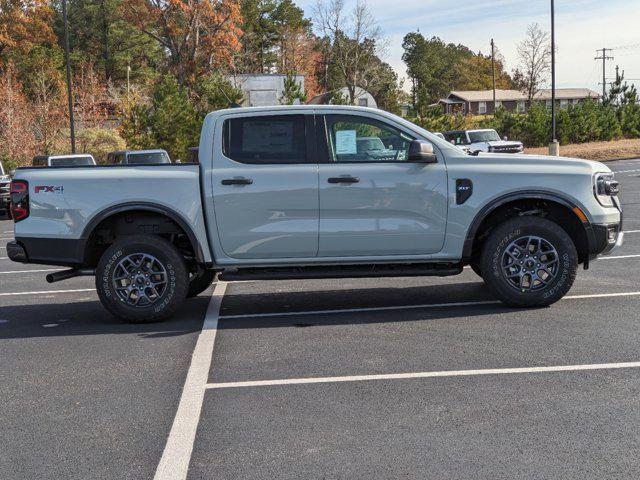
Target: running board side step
[(347, 271), (66, 274)]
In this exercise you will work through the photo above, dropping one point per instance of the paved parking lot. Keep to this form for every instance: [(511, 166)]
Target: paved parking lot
[(368, 378)]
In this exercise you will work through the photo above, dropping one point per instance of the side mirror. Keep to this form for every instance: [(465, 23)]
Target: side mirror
[(505, 138), (12, 173), (422, 152)]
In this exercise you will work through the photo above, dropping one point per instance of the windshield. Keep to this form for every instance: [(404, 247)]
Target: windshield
[(148, 158), (484, 136), (71, 161)]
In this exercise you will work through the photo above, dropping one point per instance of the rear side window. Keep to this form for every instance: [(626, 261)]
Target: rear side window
[(265, 140)]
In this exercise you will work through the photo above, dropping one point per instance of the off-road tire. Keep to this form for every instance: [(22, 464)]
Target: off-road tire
[(200, 282), (495, 275), (172, 296)]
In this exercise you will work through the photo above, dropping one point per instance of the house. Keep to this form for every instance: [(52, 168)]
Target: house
[(262, 90), (480, 102), (362, 97)]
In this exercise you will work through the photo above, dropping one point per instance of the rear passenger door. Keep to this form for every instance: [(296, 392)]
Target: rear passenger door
[(265, 186), (373, 201)]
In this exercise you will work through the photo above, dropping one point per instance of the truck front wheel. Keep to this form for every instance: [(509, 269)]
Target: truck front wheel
[(529, 262), (142, 279)]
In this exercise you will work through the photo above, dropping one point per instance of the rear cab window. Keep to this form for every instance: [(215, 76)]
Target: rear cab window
[(71, 161), (273, 139), (148, 158)]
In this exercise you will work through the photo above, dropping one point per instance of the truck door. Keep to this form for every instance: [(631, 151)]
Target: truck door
[(372, 200), (265, 186)]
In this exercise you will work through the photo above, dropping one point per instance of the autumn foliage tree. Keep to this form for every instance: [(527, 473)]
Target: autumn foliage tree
[(198, 35), (24, 24)]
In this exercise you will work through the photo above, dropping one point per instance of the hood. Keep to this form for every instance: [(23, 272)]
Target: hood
[(504, 143), (544, 162)]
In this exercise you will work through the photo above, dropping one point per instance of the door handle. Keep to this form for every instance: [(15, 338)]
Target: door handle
[(237, 181), (343, 180)]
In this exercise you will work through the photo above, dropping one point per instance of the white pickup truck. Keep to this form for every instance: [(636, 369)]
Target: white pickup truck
[(295, 192)]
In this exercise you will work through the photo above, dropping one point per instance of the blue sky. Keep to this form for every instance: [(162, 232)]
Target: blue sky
[(582, 26)]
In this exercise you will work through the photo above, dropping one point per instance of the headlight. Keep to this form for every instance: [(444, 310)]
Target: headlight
[(605, 188)]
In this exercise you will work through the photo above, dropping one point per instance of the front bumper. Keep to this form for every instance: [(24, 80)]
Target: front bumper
[(606, 239)]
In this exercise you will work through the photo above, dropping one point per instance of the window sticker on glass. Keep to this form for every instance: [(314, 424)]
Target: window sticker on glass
[(275, 137), (346, 142)]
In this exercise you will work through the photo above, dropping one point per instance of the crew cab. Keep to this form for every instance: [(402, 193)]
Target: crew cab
[(139, 157), (70, 160), (483, 140), (288, 193)]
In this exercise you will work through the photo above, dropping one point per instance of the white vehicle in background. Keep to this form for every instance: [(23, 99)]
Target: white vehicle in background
[(71, 160), (483, 140), (139, 157), (464, 148)]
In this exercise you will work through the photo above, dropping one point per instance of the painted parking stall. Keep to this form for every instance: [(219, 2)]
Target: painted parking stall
[(356, 378)]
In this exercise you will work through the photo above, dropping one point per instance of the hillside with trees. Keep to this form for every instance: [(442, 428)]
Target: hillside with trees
[(146, 72)]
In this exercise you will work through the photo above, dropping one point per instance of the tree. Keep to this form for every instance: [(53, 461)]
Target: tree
[(474, 72), (24, 24), (107, 39), (170, 121), (16, 118), (292, 91), (198, 35), (535, 61), (300, 53), (353, 43)]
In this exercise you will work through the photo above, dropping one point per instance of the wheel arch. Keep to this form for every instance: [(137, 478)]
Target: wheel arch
[(581, 229), (147, 207)]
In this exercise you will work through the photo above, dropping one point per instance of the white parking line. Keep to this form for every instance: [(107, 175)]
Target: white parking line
[(411, 307), (174, 463), (404, 376), (631, 231), (30, 271), (49, 292), (618, 257)]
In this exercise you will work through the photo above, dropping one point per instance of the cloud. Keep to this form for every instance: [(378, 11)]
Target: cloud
[(582, 26)]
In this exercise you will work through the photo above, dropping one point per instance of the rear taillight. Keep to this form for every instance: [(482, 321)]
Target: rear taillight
[(19, 200)]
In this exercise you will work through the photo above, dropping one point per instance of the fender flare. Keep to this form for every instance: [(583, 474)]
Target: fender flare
[(147, 207), (521, 195)]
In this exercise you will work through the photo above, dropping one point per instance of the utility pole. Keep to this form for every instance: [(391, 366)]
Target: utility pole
[(128, 84), (604, 57), (72, 128), (554, 147), (493, 73)]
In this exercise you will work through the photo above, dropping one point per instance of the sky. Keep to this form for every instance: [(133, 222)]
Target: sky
[(582, 26)]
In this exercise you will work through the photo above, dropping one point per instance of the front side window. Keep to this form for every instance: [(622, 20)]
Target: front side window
[(456, 138), (265, 140), (361, 139)]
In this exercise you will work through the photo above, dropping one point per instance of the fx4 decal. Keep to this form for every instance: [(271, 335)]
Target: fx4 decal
[(55, 189)]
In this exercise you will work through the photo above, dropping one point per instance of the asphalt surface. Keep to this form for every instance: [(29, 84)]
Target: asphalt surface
[(84, 396)]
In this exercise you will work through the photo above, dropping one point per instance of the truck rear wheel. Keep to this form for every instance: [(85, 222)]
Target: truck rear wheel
[(200, 282), (142, 279), (529, 262)]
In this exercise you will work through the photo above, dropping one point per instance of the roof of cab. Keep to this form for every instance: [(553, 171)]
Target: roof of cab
[(297, 108)]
